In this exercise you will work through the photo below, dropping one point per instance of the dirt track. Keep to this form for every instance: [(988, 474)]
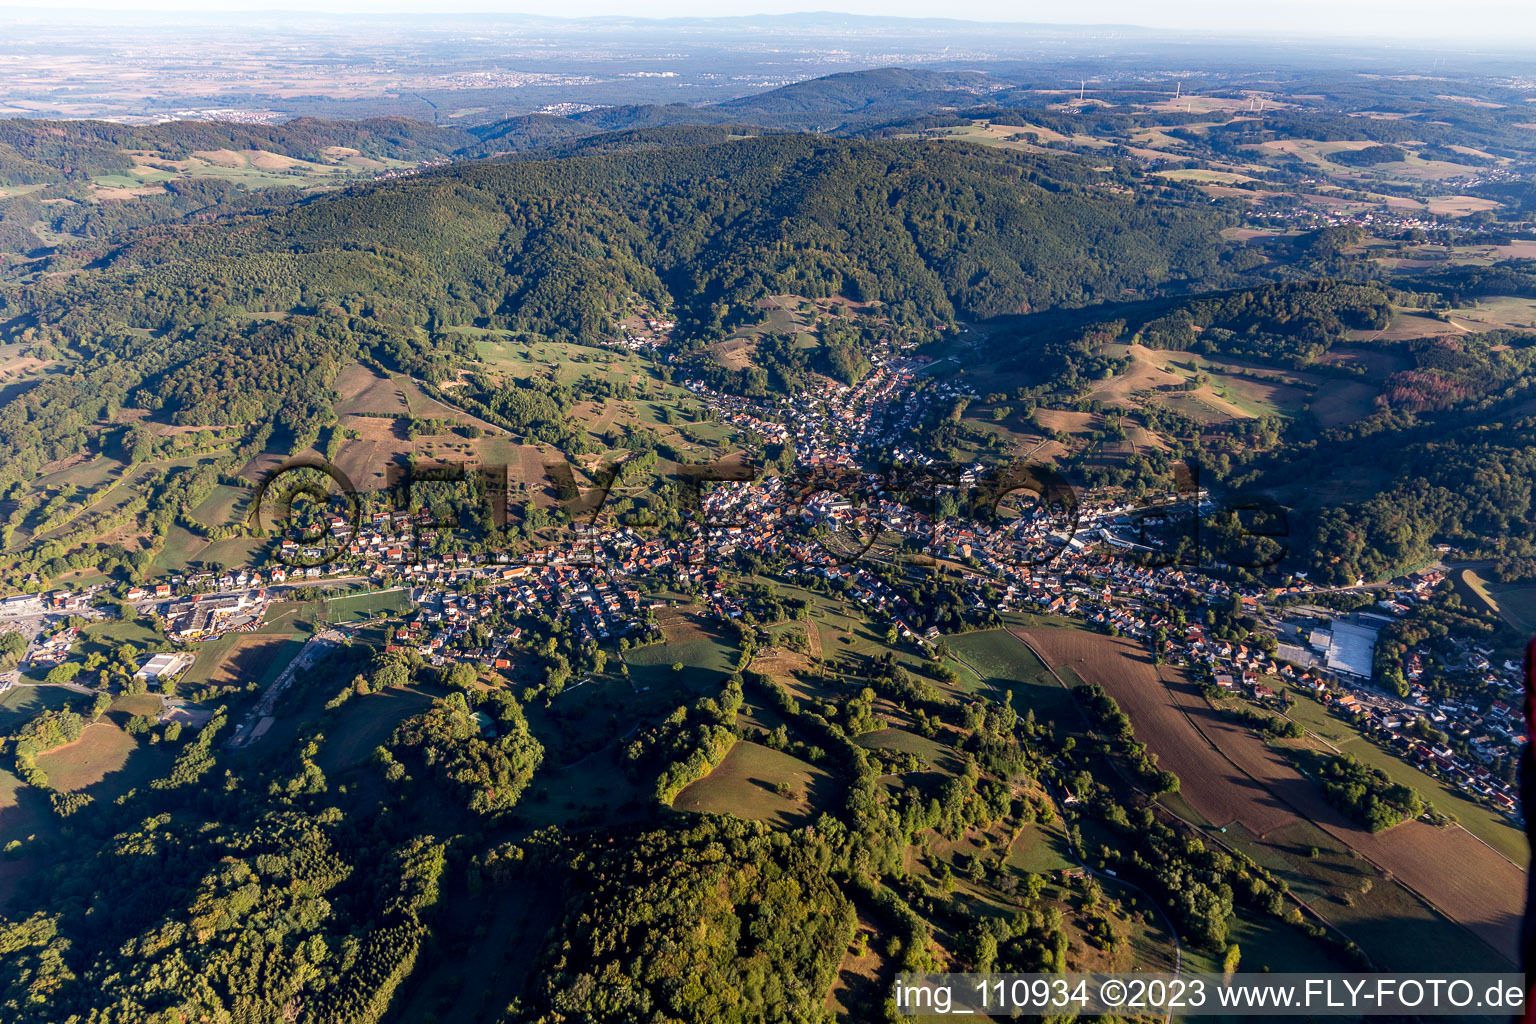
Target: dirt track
[(1228, 773)]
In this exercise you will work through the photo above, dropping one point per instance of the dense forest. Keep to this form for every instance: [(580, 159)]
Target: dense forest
[(34, 150), (558, 247), (431, 824)]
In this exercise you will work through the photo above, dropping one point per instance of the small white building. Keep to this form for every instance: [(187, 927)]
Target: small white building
[(163, 666)]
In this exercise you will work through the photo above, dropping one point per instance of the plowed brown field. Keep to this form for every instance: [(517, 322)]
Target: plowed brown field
[(1227, 773)]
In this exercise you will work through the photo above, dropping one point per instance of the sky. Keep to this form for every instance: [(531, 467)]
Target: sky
[(1496, 21)]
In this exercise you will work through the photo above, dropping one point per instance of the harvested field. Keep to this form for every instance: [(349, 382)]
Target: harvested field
[(102, 750), (1215, 788), (1071, 422), (248, 660), (745, 785), (360, 389), (1229, 773)]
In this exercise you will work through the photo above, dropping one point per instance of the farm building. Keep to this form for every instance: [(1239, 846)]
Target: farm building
[(163, 666)]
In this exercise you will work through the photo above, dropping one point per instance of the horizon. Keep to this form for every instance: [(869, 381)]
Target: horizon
[(1495, 25)]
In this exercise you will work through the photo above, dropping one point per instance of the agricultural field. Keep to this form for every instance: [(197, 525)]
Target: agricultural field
[(1413, 169), (1515, 603), (253, 168), (377, 409), (747, 783), (1234, 781), (1205, 174), (653, 404), (1007, 665), (1486, 824)]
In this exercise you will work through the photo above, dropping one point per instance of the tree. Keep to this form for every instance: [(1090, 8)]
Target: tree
[(391, 673), (63, 673)]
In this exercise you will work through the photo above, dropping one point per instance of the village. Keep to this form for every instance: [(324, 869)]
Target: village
[(835, 522)]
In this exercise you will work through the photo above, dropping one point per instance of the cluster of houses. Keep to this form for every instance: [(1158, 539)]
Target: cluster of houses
[(827, 423), (597, 606), (648, 338), (1380, 221), (54, 649), (1077, 575), (1039, 560)]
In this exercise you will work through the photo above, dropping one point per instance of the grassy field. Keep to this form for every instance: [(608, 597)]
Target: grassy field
[(1204, 174), (935, 754), (258, 656), (367, 606), (106, 761), (104, 637), (364, 723), (102, 750), (1041, 850), (20, 703), (705, 654), (208, 656), (239, 658), (295, 617), (225, 506), (1515, 603), (1008, 665), (847, 640), (746, 782)]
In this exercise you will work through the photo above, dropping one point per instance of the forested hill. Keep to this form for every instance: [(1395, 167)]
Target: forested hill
[(553, 245), (880, 88), (849, 101), (557, 247), (32, 151), (52, 151)]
